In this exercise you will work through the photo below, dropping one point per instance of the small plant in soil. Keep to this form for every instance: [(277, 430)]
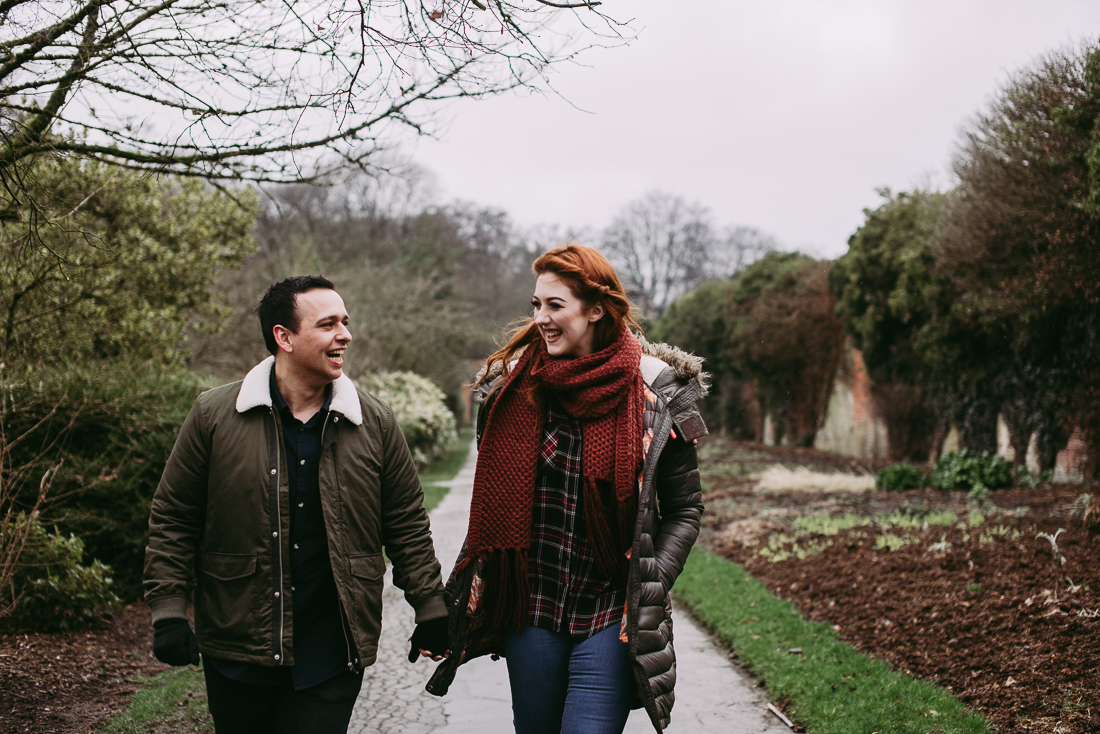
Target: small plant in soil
[(1087, 510), (1060, 579)]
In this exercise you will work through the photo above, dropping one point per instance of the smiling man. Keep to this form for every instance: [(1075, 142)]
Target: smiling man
[(275, 505)]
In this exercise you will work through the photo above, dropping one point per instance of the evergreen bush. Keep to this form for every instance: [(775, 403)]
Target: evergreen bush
[(900, 476), (965, 469), (52, 588)]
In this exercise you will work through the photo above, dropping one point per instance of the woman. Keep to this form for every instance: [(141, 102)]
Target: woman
[(586, 502)]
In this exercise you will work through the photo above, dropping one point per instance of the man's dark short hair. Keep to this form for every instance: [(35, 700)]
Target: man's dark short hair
[(279, 306)]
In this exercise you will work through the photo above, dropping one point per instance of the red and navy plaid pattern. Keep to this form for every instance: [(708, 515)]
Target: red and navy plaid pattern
[(568, 592)]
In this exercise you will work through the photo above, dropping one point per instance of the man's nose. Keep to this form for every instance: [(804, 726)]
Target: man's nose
[(344, 333)]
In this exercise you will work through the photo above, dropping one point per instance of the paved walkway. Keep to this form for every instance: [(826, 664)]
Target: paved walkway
[(711, 694)]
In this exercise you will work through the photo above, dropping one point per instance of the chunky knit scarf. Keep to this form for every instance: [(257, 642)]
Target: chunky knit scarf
[(604, 391)]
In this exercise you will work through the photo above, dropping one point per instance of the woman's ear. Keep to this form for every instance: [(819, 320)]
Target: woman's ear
[(595, 313)]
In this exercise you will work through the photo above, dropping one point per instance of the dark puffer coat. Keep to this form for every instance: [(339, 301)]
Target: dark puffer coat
[(669, 510)]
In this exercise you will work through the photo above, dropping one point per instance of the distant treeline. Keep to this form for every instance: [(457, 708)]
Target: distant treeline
[(966, 304)]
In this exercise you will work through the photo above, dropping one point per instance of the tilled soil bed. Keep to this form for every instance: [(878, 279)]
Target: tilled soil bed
[(983, 610), (74, 682)]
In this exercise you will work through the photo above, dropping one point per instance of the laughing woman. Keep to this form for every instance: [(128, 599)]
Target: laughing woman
[(586, 502)]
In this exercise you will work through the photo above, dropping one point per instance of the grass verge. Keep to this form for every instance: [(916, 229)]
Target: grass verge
[(445, 469), (175, 700), (829, 686)]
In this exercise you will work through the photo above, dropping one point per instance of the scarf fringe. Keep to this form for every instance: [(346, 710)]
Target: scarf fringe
[(507, 589), (609, 544)]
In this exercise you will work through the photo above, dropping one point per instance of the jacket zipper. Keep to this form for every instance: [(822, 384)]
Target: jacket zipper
[(353, 663), (278, 541)]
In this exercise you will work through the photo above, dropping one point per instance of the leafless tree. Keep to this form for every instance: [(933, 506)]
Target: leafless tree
[(660, 245), (262, 90), (738, 248)]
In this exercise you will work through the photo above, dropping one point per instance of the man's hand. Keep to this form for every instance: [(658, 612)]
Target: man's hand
[(429, 639), (174, 643)]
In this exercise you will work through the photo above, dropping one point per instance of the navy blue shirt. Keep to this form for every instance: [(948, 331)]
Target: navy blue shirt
[(320, 647)]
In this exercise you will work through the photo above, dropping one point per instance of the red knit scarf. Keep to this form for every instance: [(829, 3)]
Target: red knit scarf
[(604, 391)]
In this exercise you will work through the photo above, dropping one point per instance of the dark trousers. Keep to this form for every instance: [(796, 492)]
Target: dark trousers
[(247, 708)]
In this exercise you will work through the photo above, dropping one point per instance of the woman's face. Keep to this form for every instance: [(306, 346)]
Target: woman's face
[(566, 326)]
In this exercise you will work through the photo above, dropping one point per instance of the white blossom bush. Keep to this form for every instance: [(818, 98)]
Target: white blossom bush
[(421, 411)]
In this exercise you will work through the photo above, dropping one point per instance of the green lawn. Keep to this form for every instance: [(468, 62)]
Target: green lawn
[(828, 687), (175, 700)]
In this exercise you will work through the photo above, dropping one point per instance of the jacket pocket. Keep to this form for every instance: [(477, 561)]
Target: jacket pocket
[(367, 573), (227, 597)]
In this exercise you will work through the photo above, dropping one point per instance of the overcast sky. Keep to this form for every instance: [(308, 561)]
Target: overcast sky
[(783, 115)]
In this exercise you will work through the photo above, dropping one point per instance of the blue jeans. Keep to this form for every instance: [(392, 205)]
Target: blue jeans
[(570, 686)]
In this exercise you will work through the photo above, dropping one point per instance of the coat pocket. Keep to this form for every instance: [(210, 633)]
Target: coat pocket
[(367, 574), (227, 595)]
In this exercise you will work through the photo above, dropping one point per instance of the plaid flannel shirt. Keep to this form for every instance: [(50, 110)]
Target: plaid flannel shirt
[(568, 591)]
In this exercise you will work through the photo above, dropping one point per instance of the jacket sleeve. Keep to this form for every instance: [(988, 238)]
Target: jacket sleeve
[(680, 507), (176, 519), (406, 532)]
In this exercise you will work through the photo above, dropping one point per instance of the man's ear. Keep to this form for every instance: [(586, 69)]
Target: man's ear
[(282, 338)]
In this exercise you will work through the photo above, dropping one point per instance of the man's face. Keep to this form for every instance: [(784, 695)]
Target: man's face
[(316, 352)]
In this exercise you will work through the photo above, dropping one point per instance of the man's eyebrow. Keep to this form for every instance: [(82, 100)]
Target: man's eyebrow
[(332, 317)]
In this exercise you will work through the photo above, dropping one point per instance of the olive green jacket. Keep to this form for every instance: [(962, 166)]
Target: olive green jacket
[(219, 527)]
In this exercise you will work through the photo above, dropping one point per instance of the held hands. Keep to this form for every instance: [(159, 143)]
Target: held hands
[(174, 643), (430, 640)]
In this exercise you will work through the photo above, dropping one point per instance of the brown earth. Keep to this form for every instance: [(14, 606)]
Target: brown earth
[(74, 682), (992, 619)]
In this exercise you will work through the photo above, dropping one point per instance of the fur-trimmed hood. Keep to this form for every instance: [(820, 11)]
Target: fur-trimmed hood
[(686, 365), (256, 392)]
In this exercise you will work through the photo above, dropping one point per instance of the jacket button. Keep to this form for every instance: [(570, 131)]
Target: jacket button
[(274, 535), (335, 418), (272, 471), (295, 546), (276, 595), (276, 657)]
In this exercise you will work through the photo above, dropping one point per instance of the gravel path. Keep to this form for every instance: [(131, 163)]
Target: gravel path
[(711, 694)]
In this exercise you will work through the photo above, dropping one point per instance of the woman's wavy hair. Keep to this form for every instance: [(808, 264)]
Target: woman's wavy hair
[(591, 278)]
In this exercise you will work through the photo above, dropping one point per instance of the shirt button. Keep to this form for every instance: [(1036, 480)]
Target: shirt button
[(295, 546), (292, 588), (335, 418), (272, 471), (274, 535), (276, 657), (301, 504), (302, 462), (276, 595)]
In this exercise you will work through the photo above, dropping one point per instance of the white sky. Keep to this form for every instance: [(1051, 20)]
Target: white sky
[(783, 115)]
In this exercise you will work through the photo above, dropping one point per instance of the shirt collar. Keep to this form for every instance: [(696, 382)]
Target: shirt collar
[(282, 406)]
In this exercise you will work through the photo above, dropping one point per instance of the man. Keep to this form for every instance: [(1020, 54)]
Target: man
[(274, 508)]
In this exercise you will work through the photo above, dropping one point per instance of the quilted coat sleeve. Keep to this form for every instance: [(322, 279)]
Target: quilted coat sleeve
[(680, 505)]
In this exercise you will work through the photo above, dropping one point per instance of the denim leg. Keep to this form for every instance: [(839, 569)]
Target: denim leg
[(538, 672), (601, 685)]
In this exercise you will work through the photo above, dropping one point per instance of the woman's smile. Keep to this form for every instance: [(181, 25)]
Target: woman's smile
[(565, 322)]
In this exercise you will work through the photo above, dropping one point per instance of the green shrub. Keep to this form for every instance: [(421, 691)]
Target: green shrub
[(53, 590), (421, 410), (965, 469), (114, 427), (900, 476)]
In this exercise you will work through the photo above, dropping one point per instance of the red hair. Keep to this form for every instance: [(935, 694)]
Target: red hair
[(592, 279)]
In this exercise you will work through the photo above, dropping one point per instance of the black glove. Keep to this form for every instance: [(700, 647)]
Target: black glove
[(430, 636), (174, 643)]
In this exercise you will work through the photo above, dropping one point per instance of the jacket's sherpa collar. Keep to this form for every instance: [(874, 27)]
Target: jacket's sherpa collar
[(256, 392), (687, 365)]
